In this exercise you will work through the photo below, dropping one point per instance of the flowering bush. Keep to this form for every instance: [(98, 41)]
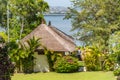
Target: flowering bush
[(66, 64)]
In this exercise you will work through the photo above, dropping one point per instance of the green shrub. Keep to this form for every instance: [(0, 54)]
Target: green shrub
[(28, 65), (52, 57), (108, 64), (92, 59), (66, 64), (92, 63), (6, 65), (81, 63), (95, 60), (116, 72)]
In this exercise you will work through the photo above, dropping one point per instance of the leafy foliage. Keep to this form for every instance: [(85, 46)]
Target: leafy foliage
[(4, 36), (23, 16), (114, 41), (28, 62), (118, 58), (17, 54), (66, 64), (52, 57), (3, 9), (6, 66), (30, 13), (117, 53), (92, 59), (109, 62), (23, 55), (117, 72), (95, 60), (95, 21)]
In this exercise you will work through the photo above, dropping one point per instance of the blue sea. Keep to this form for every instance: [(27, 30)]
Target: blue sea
[(59, 22), (62, 24)]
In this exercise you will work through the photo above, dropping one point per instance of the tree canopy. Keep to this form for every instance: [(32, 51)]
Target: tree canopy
[(95, 20), (23, 15), (29, 12)]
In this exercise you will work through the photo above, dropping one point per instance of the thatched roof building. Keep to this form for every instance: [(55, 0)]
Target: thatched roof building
[(52, 38)]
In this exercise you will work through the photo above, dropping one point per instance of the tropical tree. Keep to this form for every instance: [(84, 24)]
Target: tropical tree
[(95, 21), (114, 42), (17, 54), (21, 15), (3, 15), (23, 55), (115, 46), (29, 13), (28, 62), (33, 44)]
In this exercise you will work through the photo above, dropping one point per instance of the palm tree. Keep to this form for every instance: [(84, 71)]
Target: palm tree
[(33, 44), (28, 62)]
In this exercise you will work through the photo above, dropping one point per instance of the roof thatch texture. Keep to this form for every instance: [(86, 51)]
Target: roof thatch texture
[(52, 38)]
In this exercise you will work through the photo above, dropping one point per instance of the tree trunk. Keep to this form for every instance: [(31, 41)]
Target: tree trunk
[(8, 22), (22, 26)]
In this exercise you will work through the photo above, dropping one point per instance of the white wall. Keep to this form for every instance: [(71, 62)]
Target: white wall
[(41, 63)]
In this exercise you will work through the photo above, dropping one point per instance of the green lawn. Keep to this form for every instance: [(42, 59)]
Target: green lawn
[(65, 76)]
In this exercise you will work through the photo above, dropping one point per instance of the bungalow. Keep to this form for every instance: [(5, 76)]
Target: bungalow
[(53, 39)]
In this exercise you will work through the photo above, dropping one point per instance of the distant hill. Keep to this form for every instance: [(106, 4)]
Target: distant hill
[(58, 10)]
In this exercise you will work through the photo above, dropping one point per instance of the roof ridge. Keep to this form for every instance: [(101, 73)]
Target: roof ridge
[(48, 34), (66, 36), (53, 33)]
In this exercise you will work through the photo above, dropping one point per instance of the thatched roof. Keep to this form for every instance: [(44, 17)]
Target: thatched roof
[(52, 38)]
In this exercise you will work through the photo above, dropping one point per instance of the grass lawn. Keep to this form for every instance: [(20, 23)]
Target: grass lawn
[(65, 76)]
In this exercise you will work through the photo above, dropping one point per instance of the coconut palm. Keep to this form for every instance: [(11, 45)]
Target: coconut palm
[(28, 62)]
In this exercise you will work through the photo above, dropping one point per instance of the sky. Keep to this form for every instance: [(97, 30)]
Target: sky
[(65, 3)]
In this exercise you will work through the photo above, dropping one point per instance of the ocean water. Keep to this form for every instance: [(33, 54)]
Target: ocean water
[(62, 24), (59, 22), (1, 29)]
